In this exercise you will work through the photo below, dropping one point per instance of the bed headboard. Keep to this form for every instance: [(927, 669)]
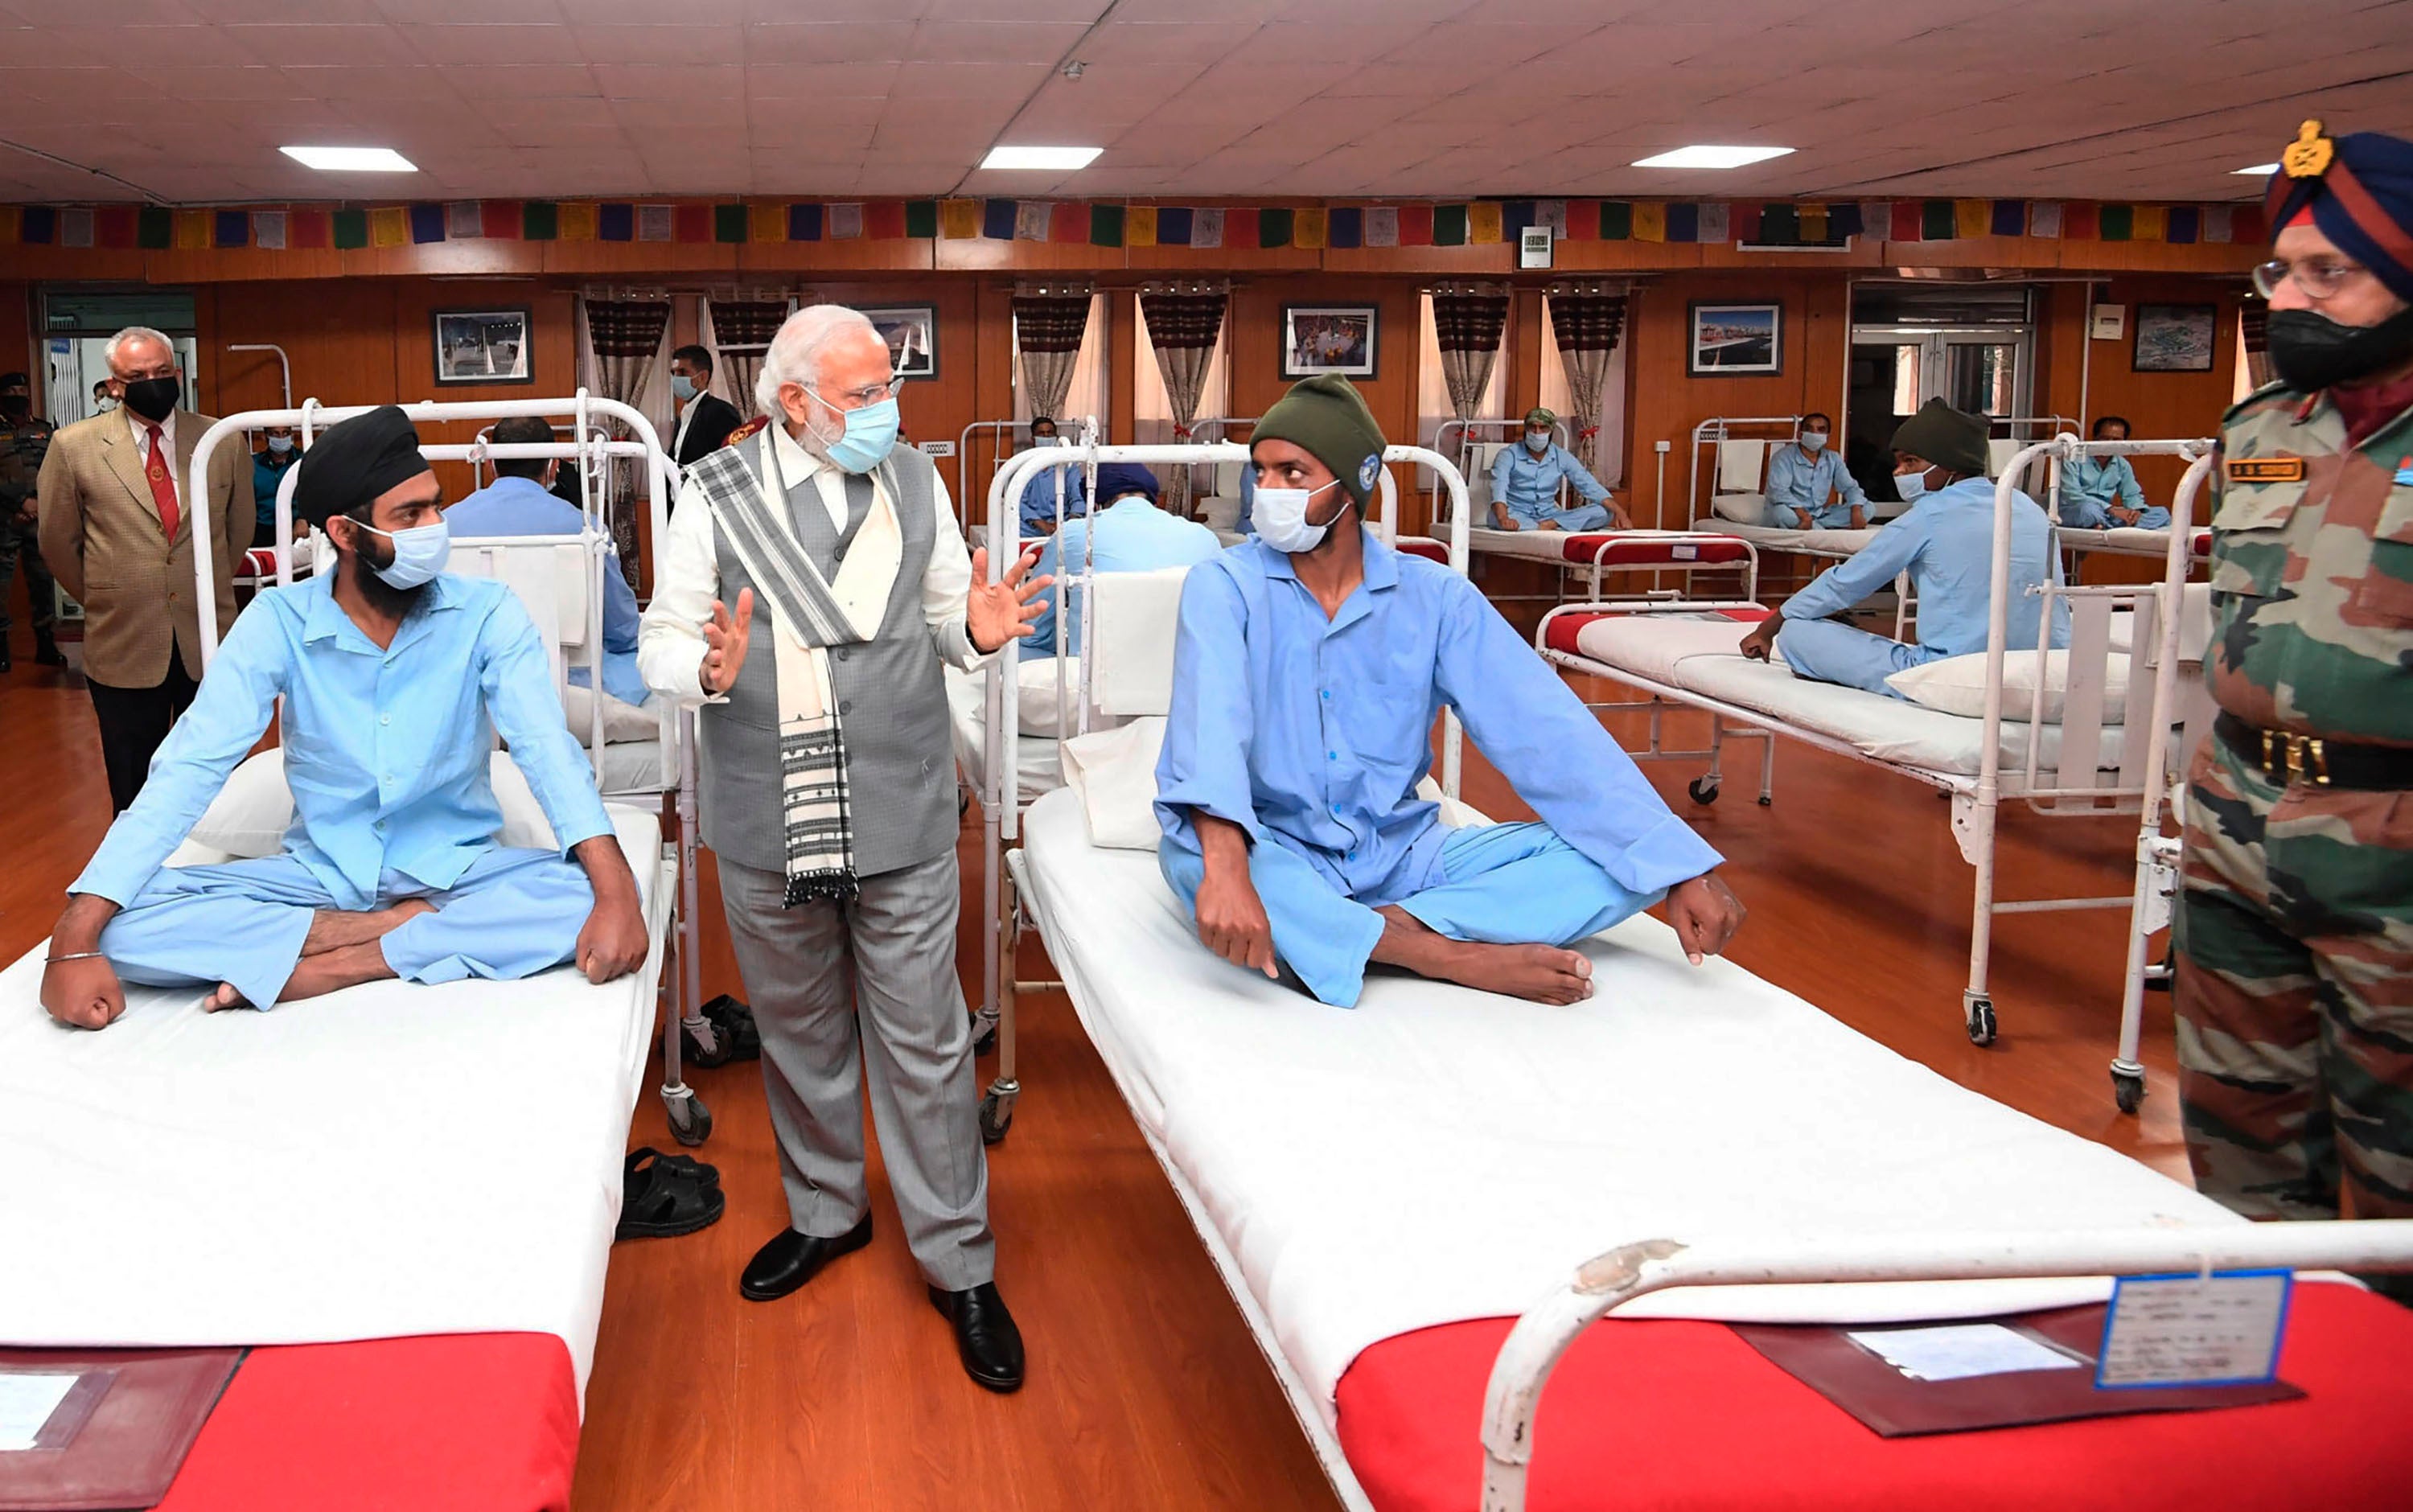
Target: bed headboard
[(1131, 621), (1740, 465), (553, 578)]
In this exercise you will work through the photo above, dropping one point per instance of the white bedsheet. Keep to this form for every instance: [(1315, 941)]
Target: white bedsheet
[(1439, 1154), (1536, 546), (1770, 538), (1036, 764), (2124, 540), (1700, 656), (389, 1160)]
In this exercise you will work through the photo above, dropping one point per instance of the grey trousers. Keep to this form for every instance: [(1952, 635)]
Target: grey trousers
[(873, 984)]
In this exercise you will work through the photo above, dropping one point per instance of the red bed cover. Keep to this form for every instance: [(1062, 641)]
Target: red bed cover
[(1667, 1414), (456, 1422)]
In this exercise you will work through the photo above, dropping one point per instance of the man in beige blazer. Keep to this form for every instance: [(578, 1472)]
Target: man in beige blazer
[(117, 523)]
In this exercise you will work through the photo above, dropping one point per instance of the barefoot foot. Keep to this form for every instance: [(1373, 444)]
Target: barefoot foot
[(224, 996)]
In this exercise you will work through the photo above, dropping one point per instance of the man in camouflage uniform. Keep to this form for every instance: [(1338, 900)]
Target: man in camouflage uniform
[(2294, 924), (24, 439)]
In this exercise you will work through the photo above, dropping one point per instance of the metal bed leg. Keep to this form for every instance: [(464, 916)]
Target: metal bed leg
[(690, 1120), (997, 1104), (993, 971), (1767, 767), (1704, 789), (2149, 910), (1977, 1006)]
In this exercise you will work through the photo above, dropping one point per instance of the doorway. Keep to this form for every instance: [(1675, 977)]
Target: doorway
[(1970, 346), (77, 324)]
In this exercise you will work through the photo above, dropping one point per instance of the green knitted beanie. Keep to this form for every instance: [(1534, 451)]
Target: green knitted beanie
[(1325, 416)]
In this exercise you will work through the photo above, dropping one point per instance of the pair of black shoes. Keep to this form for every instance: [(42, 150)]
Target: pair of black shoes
[(986, 1340), (46, 652)]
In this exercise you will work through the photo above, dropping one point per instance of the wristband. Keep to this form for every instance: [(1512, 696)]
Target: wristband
[(79, 955)]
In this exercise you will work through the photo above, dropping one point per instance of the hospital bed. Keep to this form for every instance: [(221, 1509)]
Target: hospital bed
[(1383, 1190), (413, 1258), (2100, 753), (1066, 687)]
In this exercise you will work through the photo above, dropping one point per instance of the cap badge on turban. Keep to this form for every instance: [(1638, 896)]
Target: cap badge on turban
[(2308, 156)]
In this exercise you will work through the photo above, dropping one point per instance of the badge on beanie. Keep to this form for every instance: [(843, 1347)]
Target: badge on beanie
[(1368, 470)]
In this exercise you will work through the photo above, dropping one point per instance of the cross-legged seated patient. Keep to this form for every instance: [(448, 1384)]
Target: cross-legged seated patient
[(395, 678), (1311, 666), (1946, 545)]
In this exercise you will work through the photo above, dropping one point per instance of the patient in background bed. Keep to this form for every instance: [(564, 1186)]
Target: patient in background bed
[(2102, 492), (1310, 665), (1126, 533), (395, 678), (1946, 545)]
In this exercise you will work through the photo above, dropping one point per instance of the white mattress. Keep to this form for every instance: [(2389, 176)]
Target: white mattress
[(1439, 1154), (2126, 539), (1036, 761), (1537, 545), (388, 1161), (632, 767), (1809, 542), (1700, 656)]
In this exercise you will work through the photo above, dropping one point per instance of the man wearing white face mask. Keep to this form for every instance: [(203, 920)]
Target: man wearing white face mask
[(1807, 485), (1525, 481), (1310, 665), (829, 800), (395, 678), (1946, 545), (706, 419)]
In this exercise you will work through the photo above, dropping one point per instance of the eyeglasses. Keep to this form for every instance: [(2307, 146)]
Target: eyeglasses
[(854, 398), (2318, 277)]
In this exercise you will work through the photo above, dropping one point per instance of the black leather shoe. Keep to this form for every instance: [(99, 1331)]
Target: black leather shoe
[(791, 1259), (986, 1340), (47, 652)]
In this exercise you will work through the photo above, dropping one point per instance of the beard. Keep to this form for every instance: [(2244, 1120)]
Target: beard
[(380, 594)]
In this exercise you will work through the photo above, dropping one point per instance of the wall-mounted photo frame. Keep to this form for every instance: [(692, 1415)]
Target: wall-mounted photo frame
[(1736, 340), (1329, 338), (2175, 338), (912, 332), (482, 346)]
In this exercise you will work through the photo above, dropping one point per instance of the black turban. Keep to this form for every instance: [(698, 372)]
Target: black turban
[(356, 461)]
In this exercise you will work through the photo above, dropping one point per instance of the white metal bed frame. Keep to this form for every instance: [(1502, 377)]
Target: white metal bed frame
[(691, 1120), (1975, 801), (1000, 799)]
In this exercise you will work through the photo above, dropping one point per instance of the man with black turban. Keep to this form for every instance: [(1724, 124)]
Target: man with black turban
[(396, 677), (2294, 924)]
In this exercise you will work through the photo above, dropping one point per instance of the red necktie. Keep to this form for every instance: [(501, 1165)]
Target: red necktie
[(163, 486)]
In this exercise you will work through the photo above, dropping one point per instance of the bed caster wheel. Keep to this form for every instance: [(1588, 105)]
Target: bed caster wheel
[(1979, 1012), (996, 1117), (2127, 1089), (1703, 790), (1766, 800), (691, 1120), (984, 1038)]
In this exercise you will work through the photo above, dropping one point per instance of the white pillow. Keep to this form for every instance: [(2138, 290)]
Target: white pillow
[(251, 813), (623, 724), (1957, 685), (1222, 511), (1114, 771), (1742, 508), (1036, 709)]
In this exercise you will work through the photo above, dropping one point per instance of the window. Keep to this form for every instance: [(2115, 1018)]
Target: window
[(1152, 408), (1432, 389), (1089, 392)]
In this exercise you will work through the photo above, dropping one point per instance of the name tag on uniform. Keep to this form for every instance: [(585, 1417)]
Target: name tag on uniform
[(2265, 469), (2218, 1329)]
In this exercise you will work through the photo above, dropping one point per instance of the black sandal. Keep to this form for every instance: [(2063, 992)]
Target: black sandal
[(663, 1196), (731, 1024)]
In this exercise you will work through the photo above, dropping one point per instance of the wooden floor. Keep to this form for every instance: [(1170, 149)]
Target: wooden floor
[(1146, 1389)]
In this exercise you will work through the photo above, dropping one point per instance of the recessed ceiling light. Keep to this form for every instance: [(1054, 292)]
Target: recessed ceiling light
[(1059, 159), (351, 159), (1712, 156), (2259, 171)]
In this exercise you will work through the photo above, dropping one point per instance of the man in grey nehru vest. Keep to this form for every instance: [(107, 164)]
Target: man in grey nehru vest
[(829, 798)]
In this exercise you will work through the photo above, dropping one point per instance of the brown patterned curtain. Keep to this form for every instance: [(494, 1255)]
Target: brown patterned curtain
[(1048, 325), (740, 331), (1468, 319), (624, 350), (1184, 322), (1588, 321)]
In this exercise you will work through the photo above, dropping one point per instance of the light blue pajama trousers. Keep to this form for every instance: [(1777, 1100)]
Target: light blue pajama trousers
[(1504, 885), (1575, 517), (2088, 515), (1833, 517), (1830, 651), (514, 913)]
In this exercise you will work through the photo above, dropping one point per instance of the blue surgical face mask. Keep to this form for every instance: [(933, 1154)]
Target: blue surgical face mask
[(280, 444), (870, 435), (1280, 518), (1910, 486), (1814, 442), (1537, 440), (683, 387), (418, 554)]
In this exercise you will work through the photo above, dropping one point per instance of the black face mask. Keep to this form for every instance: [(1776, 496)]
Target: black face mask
[(2311, 352), (154, 399), (16, 406)]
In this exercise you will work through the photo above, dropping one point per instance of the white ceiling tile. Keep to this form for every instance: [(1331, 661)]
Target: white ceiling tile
[(52, 84), (819, 81), (648, 12), (337, 46), (645, 118), (421, 82), (1075, 12), (928, 86), (130, 13), (333, 13), (1196, 42), (522, 44), (661, 44), (833, 142), (773, 122), (502, 90), (485, 12), (661, 80), (986, 42), (828, 42)]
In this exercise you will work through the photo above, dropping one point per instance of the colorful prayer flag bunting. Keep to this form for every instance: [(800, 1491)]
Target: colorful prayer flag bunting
[(1381, 226), (804, 222), (615, 223), (505, 220), (1310, 230), (1344, 227), (1240, 227), (350, 230), (1683, 222), (884, 221), (1276, 226), (766, 222), (960, 220), (1970, 217), (2045, 220), (845, 221), (1649, 221), (75, 227), (1106, 224), (38, 224), (1139, 226), (922, 219), (581, 221), (1449, 224), (426, 223), (313, 230), (192, 231), (2147, 223), (2115, 223), (1206, 228), (2009, 217), (389, 226), (1068, 220), (113, 225), (465, 220), (728, 224), (1031, 220), (1715, 221), (268, 230), (1485, 224)]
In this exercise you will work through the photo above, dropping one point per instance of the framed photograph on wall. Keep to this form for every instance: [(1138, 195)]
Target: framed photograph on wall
[(912, 332), (1329, 338), (2175, 338), (1736, 340), (482, 346)]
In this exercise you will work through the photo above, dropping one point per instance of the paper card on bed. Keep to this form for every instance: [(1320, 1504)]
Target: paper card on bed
[(1956, 1351), (2218, 1329)]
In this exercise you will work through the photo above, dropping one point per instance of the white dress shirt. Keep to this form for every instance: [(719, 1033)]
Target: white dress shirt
[(687, 578), (143, 445), (686, 417)]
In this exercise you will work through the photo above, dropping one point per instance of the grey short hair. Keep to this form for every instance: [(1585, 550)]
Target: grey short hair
[(127, 337), (795, 355)]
